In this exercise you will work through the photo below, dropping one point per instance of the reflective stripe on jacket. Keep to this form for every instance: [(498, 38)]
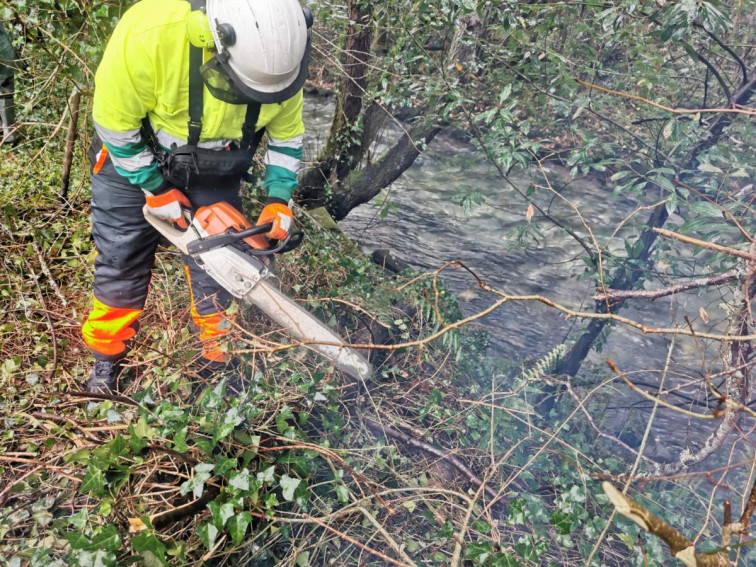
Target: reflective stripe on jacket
[(145, 72)]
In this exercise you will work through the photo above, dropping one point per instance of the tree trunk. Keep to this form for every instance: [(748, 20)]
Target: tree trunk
[(361, 186), (337, 167)]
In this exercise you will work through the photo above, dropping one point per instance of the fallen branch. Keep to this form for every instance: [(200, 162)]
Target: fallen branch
[(652, 294), (73, 121), (680, 547)]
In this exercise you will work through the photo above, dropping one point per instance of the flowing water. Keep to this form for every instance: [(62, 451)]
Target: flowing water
[(427, 227)]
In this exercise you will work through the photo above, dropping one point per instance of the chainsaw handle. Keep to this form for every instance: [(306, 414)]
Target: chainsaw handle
[(212, 242)]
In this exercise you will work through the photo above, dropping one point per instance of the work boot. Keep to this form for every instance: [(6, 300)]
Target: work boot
[(104, 377)]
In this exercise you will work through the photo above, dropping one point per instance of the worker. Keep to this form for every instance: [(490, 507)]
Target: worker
[(183, 95), (8, 66)]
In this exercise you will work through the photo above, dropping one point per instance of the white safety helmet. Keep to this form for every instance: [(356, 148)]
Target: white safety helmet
[(263, 50)]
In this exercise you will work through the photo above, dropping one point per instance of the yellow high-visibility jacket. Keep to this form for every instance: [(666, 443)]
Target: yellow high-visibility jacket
[(145, 72)]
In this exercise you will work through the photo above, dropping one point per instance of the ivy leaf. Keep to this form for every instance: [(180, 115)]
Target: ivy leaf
[(94, 481), (480, 551), (77, 540), (446, 531), (107, 539), (267, 475), (179, 441), (196, 484), (563, 522), (150, 549), (230, 421), (241, 480), (342, 493), (237, 526), (288, 486), (208, 533), (143, 430), (221, 513)]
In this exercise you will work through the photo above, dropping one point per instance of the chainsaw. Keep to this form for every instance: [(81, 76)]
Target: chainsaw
[(238, 257)]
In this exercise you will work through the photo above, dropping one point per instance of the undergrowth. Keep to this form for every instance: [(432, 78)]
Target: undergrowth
[(440, 459)]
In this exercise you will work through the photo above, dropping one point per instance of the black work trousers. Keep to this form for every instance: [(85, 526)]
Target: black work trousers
[(126, 245)]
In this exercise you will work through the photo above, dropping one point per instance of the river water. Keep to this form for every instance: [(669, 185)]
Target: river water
[(427, 228)]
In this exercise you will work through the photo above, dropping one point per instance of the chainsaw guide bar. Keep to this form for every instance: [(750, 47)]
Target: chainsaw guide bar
[(244, 276)]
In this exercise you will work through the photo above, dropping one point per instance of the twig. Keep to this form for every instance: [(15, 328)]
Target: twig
[(654, 399), (454, 461), (704, 244), (46, 270), (652, 294), (11, 484), (111, 397), (642, 447), (386, 536), (65, 420), (357, 543), (742, 110), (748, 510)]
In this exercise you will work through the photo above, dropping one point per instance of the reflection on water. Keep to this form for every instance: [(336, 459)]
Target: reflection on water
[(427, 228)]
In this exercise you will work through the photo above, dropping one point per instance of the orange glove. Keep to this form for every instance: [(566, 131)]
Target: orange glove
[(280, 215), (169, 206)]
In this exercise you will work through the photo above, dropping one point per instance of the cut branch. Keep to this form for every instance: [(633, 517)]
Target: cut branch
[(680, 547), (652, 294)]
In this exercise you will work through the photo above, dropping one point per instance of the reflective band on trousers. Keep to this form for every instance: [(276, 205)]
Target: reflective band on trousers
[(211, 328), (107, 329)]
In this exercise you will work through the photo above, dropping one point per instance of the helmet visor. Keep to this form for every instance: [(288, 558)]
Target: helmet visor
[(224, 84), (220, 85)]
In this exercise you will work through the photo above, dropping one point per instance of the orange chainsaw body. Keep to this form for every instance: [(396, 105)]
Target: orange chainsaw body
[(218, 218)]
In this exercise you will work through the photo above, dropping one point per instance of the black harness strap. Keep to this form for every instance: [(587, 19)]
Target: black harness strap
[(196, 89), (251, 137), (195, 94)]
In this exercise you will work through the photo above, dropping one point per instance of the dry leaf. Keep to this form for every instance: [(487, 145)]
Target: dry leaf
[(704, 315), (136, 525), (531, 211)]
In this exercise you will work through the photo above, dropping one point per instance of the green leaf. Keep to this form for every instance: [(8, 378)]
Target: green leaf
[(237, 526), (150, 549), (143, 430), (708, 168), (288, 486), (446, 531), (179, 441), (77, 540), (267, 475), (93, 481), (628, 540), (342, 493), (241, 480), (196, 484), (479, 551), (208, 533), (563, 522), (107, 538), (221, 513), (79, 519)]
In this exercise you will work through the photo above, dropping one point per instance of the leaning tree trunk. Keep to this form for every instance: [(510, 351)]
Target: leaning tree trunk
[(336, 180)]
